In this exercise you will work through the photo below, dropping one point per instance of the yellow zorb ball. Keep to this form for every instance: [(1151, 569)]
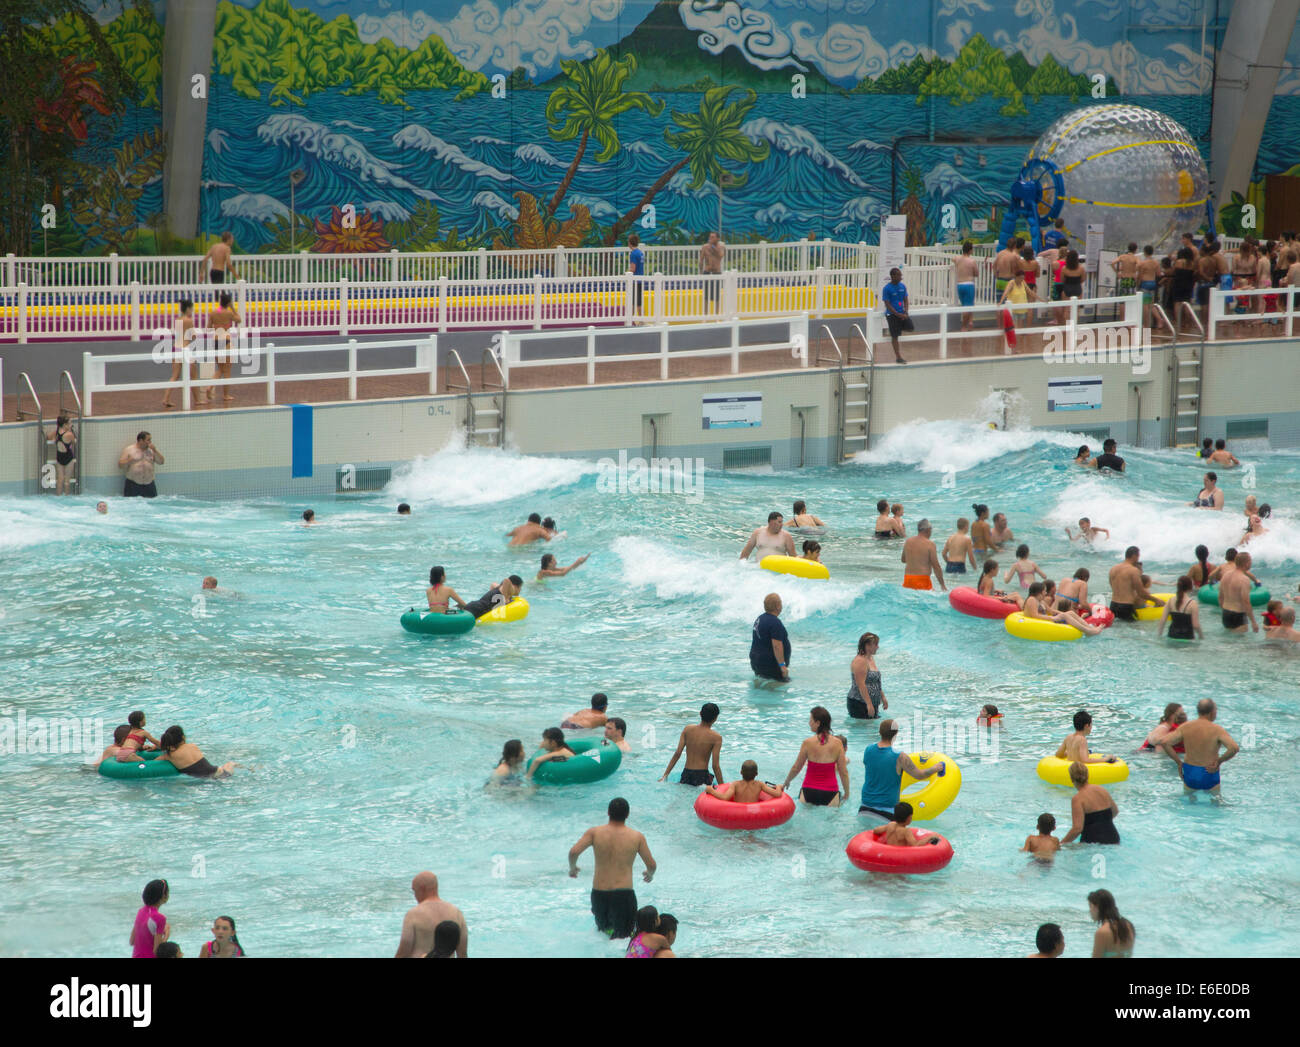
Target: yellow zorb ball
[(1134, 170)]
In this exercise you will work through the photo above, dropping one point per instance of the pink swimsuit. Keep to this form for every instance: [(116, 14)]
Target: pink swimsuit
[(638, 950)]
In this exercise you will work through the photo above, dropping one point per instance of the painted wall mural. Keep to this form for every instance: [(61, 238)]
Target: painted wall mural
[(455, 124)]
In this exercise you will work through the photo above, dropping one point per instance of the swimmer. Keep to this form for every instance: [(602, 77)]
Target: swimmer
[(897, 834), (958, 549), (1207, 448), (1285, 629), (667, 928), (1024, 567), (1075, 591), (1228, 566), (403, 509), (209, 582), (866, 697), (769, 649), (1201, 572), (1084, 457), (151, 928), (884, 522), (896, 515), (1108, 459), (647, 941), (529, 532), (812, 551), (616, 733), (1001, 533), (749, 789), (1039, 607), (884, 769), (920, 560), (1044, 845), (439, 594), (308, 517), (1075, 746), (1202, 739), (101, 508), (555, 750), (586, 719), (446, 938), (824, 755), (772, 540), (988, 582), (989, 717), (1127, 592), (1092, 810), (135, 740), (552, 529), (1182, 613), (1256, 526), (422, 920), (188, 758), (616, 846), (511, 764), (119, 736), (1211, 496), (1222, 457), (981, 533), (498, 596), (1115, 935), (1271, 611), (1049, 941), (550, 570), (1252, 506), (702, 744), (1234, 596), (1171, 719), (1086, 531), (225, 942), (803, 518)]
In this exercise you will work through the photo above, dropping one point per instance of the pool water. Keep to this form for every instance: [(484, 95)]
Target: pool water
[(370, 747)]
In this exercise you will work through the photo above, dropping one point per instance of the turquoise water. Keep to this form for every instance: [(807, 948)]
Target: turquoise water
[(370, 747)]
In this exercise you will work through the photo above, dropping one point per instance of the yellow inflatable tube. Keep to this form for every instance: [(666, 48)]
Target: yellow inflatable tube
[(515, 611), (933, 795), (795, 566), (1033, 629), (1152, 614), (1057, 771)]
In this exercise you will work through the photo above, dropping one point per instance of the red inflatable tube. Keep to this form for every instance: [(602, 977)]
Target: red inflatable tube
[(1101, 616), (869, 851), (767, 812), (968, 601)]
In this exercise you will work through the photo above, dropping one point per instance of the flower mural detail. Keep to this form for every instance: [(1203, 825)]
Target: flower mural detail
[(358, 234)]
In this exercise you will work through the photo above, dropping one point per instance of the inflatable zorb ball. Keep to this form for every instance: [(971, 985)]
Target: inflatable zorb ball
[(1134, 170)]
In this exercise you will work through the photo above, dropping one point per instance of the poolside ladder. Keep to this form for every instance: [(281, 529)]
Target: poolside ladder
[(853, 383), (25, 390), (487, 404), (1186, 382), (70, 405)]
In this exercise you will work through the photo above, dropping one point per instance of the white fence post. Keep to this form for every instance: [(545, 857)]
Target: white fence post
[(561, 262), (663, 352), (735, 345), (270, 373), (1212, 324), (762, 256), (629, 298), (819, 297), (352, 368), (343, 305), (442, 303), (537, 301), (482, 263), (11, 270), (591, 356), (395, 270), (87, 386), (660, 304), (187, 361), (22, 313), (112, 269), (302, 267), (730, 293), (430, 351), (135, 312)]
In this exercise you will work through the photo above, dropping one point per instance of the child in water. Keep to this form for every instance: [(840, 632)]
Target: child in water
[(135, 739), (748, 790), (988, 581), (556, 749), (1043, 846), (812, 551), (989, 717), (1024, 567), (512, 762)]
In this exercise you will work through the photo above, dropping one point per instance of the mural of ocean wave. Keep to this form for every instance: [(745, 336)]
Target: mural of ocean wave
[(414, 136), (793, 140), (489, 201), (532, 153)]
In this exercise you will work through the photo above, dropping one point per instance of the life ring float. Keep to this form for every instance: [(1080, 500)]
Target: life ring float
[(1034, 629), (592, 760), (935, 794), (765, 813), (1152, 614), (1259, 596), (968, 601), (134, 770), (1102, 617), (796, 566), (869, 851), (435, 623), (1057, 771), (515, 611)]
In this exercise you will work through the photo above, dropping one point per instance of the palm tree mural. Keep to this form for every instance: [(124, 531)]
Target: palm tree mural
[(913, 208), (590, 103), (707, 137)]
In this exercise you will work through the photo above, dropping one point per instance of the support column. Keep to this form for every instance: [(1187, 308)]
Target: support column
[(1254, 47), (188, 30)]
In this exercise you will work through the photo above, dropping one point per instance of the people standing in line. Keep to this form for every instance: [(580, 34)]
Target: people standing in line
[(139, 460), (422, 920), (702, 745), (711, 255), (866, 697), (65, 452), (1148, 279), (769, 649), (1115, 935), (1126, 271), (221, 320), (616, 846)]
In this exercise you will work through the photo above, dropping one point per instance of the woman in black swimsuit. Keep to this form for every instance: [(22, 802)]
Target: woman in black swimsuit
[(188, 758), (1182, 282), (1092, 810), (1182, 613), (65, 452), (1072, 276)]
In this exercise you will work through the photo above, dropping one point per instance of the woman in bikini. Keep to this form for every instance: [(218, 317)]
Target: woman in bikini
[(225, 942), (439, 593), (222, 320), (1115, 935), (824, 755)]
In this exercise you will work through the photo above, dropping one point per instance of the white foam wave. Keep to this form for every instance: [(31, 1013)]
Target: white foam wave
[(414, 136), (945, 447), (341, 149), (257, 207), (795, 141), (458, 475), (733, 590), (532, 153), (680, 185), (19, 531)]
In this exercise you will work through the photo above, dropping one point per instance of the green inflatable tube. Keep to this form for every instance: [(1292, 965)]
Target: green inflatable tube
[(432, 623), (151, 767), (1210, 594), (595, 759)]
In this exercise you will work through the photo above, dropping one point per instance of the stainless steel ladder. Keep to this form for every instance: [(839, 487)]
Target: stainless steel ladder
[(1186, 382), (24, 390), (492, 391), (70, 405), (852, 394)]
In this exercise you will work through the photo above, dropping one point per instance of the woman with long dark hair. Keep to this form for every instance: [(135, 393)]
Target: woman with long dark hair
[(439, 593), (65, 452), (1115, 935), (1200, 571), (824, 755), (1182, 613), (225, 942)]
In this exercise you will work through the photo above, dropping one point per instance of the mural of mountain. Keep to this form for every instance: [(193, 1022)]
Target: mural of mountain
[(298, 53), (669, 58)]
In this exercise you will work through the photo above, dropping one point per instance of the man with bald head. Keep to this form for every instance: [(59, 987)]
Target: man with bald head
[(769, 650), (424, 917), (921, 559), (1201, 738), (1234, 596)]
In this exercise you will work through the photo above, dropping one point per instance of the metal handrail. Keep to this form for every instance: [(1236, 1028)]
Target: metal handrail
[(1158, 309), (25, 379), (469, 393), (871, 377), (500, 386), (841, 393)]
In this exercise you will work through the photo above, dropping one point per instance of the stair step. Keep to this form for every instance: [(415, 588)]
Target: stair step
[(1186, 429)]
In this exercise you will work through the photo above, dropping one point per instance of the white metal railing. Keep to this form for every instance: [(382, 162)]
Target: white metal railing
[(604, 346), (1265, 312), (1066, 319), (258, 365)]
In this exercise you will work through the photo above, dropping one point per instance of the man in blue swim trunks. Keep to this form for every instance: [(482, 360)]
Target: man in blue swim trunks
[(1201, 738)]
